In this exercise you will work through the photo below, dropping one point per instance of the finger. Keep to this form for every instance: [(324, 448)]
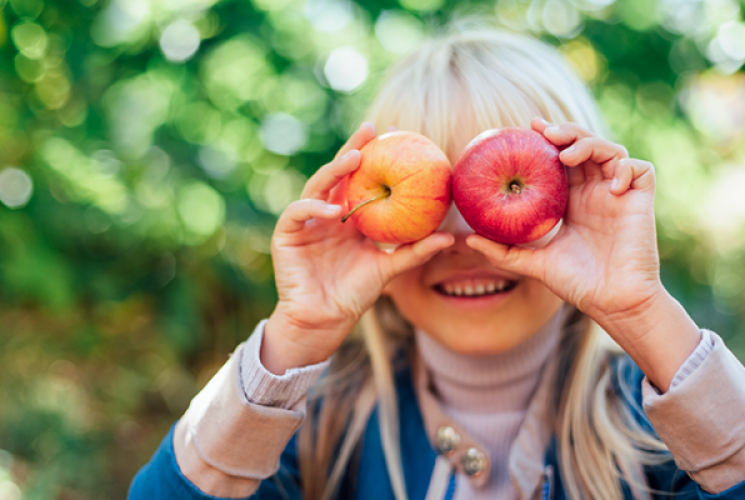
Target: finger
[(415, 254), (299, 212), (592, 148), (566, 133), (603, 153), (323, 181), (632, 174), (539, 124), (362, 136), (513, 259)]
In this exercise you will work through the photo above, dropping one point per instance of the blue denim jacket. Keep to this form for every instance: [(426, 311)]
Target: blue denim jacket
[(161, 478)]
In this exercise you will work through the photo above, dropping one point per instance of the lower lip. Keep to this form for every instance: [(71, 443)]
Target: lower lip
[(475, 303)]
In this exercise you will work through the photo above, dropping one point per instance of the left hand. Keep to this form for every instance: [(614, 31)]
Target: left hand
[(604, 259)]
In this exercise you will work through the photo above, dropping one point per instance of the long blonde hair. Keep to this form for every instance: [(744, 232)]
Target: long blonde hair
[(450, 90)]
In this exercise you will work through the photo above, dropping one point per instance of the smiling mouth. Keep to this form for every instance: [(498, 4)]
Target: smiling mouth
[(474, 288)]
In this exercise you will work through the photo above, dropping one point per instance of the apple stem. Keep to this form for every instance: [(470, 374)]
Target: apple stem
[(386, 194), (515, 187)]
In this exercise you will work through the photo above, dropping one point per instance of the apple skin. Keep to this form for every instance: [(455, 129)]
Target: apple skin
[(510, 185), (414, 173)]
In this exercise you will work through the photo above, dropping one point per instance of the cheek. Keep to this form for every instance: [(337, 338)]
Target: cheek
[(403, 282), (407, 293), (541, 301)]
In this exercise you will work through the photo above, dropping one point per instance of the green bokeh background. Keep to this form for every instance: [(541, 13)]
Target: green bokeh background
[(147, 147)]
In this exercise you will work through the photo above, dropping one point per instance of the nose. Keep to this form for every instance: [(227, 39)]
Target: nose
[(456, 225)]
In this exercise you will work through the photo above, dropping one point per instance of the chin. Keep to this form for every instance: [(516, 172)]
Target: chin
[(478, 344)]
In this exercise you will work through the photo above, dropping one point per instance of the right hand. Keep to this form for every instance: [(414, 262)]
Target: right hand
[(327, 273)]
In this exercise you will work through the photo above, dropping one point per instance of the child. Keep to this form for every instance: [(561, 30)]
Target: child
[(478, 370)]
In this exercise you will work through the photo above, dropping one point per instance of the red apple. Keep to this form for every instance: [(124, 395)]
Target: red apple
[(401, 191), (510, 186)]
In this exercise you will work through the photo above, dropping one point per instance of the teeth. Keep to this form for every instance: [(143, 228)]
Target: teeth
[(474, 289)]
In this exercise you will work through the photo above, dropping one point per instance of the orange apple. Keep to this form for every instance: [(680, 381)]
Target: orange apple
[(401, 191)]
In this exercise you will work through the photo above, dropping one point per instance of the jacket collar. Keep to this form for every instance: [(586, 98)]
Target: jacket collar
[(527, 456)]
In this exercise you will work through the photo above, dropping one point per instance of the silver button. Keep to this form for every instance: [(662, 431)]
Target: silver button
[(474, 462), (447, 440)]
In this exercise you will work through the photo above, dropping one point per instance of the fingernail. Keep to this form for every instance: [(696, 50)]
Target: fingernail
[(333, 208), (551, 129), (614, 183), (569, 150)]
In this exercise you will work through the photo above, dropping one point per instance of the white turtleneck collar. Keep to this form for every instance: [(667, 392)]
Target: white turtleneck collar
[(493, 383)]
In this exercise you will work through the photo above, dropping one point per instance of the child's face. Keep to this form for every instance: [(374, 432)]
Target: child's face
[(435, 298), (448, 298)]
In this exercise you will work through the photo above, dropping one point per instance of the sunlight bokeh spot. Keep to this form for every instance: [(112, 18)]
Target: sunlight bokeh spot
[(233, 71), (732, 40), (201, 208), (583, 57), (723, 211), (273, 191), (136, 108), (218, 159), (512, 14), (592, 5), (715, 104), (30, 39), (271, 4), (345, 69), (422, 5), (120, 22), (199, 122), (398, 31), (283, 188), (283, 134), (179, 41), (561, 19), (83, 181), (30, 70), (9, 490), (26, 8), (329, 16), (53, 89), (16, 188)]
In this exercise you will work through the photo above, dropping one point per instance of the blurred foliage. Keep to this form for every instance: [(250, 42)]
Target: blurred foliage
[(147, 146)]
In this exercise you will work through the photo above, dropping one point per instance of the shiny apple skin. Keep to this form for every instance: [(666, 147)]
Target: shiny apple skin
[(418, 174), (481, 185)]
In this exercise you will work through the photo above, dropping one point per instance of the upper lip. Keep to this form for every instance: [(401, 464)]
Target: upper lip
[(477, 274)]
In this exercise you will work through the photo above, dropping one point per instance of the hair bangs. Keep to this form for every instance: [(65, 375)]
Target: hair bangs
[(453, 89)]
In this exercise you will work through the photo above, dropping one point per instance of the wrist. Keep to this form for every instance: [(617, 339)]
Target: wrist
[(659, 335), (288, 344)]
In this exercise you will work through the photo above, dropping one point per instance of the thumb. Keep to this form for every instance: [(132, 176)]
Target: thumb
[(409, 256), (513, 259)]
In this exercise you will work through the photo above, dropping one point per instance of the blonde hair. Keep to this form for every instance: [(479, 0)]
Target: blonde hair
[(450, 90)]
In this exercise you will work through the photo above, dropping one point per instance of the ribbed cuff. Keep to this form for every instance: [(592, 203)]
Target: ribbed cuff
[(700, 420), (262, 387), (695, 359)]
